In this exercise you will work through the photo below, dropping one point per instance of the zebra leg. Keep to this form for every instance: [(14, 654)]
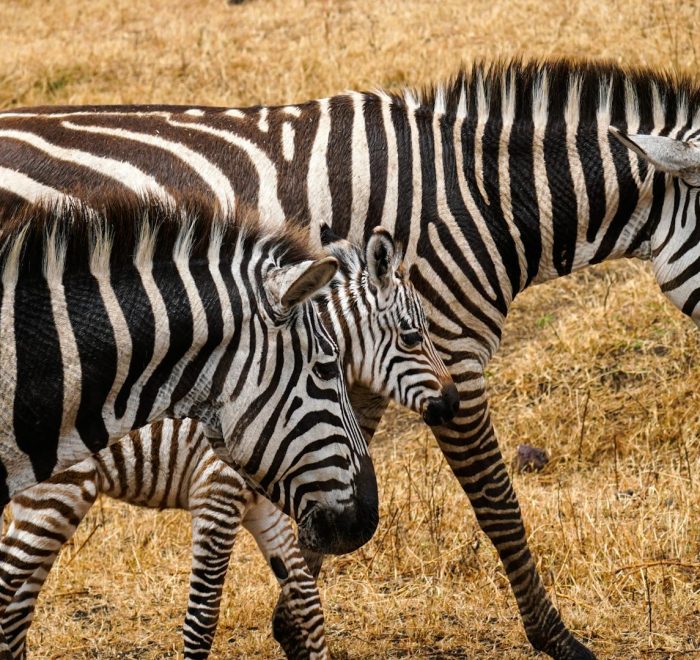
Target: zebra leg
[(297, 622), (45, 518), (19, 614), (470, 446), (214, 529)]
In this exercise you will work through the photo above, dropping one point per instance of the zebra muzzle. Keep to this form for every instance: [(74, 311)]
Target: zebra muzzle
[(342, 528)]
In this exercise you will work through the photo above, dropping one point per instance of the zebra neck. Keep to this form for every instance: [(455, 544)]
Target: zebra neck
[(524, 201)]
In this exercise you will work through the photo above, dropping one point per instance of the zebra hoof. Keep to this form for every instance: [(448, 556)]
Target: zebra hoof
[(571, 649)]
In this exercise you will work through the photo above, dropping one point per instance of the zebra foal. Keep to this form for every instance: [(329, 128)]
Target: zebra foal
[(382, 335), (190, 316)]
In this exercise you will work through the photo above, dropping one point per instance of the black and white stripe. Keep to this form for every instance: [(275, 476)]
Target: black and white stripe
[(509, 175), (383, 342), (113, 318), (168, 464)]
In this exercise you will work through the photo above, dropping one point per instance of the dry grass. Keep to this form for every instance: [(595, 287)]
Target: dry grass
[(597, 369)]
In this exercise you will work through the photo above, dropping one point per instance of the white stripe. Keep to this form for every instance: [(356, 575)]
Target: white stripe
[(72, 368), (287, 141), (506, 202), (540, 93), (100, 269), (482, 114), (26, 188), (391, 201), (268, 203), (572, 117), (208, 172), (236, 114), (17, 465), (417, 202), (125, 173), (263, 124), (317, 186), (360, 166), (292, 110)]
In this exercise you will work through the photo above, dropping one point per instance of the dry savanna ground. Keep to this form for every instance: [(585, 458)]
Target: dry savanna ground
[(598, 369)]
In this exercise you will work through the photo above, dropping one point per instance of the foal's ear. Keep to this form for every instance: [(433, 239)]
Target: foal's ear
[(677, 157), (289, 286), (380, 254)]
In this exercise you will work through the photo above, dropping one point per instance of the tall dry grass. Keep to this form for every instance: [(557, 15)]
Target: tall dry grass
[(598, 369)]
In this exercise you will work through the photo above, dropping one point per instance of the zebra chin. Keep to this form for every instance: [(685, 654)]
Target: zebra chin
[(339, 529)]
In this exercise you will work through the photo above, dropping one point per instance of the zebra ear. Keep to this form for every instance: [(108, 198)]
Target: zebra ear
[(289, 286), (380, 253), (677, 157)]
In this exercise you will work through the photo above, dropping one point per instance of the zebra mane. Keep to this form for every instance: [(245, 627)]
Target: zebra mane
[(52, 239), (600, 87)]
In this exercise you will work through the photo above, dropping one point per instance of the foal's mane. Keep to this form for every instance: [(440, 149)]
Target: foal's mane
[(115, 231)]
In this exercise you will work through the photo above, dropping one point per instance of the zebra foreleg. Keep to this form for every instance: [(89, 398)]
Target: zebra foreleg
[(470, 446), (215, 525), (297, 622)]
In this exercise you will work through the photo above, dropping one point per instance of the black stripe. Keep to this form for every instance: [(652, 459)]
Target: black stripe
[(97, 349), (378, 162), (177, 306), (138, 313), (208, 294), (561, 187), (402, 129), (339, 162), (38, 403)]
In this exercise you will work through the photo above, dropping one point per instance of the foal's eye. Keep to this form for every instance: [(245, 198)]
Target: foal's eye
[(326, 370), (412, 339)]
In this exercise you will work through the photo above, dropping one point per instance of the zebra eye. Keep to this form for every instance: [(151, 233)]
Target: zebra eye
[(326, 370), (412, 339)]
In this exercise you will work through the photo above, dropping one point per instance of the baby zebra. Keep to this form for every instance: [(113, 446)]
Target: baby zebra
[(384, 345), (114, 318)]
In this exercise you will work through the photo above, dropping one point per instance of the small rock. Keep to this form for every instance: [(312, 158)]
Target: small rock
[(529, 459)]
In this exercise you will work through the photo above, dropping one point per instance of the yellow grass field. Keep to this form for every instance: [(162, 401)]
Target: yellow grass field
[(598, 368)]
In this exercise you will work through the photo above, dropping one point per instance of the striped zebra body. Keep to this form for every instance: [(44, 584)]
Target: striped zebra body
[(192, 316), (383, 341), (507, 176)]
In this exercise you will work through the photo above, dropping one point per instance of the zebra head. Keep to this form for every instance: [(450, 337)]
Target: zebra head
[(377, 318), (291, 431), (674, 212)]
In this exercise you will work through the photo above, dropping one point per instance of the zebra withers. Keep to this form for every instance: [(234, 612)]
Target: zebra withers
[(508, 175), (111, 319), (383, 343)]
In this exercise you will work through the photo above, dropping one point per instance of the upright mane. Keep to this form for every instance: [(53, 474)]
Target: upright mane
[(53, 239), (600, 86)]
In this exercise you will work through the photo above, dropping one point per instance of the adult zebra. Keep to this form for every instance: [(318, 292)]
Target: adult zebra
[(376, 317), (510, 175), (96, 340)]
